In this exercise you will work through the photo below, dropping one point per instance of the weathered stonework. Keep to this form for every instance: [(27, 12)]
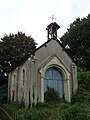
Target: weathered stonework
[(26, 81)]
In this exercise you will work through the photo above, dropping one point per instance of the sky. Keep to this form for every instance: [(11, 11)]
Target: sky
[(33, 16)]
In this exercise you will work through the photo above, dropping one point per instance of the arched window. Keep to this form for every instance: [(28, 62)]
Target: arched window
[(23, 77), (54, 79)]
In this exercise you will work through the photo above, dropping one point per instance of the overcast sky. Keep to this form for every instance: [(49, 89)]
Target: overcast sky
[(32, 16)]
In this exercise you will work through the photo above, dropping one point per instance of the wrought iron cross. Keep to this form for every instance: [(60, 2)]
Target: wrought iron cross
[(53, 18)]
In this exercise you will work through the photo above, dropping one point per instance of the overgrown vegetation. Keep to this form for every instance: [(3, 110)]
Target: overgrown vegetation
[(3, 93), (51, 95), (83, 91), (55, 109), (78, 39)]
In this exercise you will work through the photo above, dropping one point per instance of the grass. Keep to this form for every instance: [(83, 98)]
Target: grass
[(78, 109), (53, 111)]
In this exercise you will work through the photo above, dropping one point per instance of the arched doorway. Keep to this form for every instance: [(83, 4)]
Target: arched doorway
[(54, 79)]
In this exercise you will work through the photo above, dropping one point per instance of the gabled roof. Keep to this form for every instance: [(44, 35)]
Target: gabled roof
[(26, 57), (63, 47)]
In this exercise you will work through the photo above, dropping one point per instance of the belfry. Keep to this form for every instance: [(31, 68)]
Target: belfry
[(52, 29), (49, 66)]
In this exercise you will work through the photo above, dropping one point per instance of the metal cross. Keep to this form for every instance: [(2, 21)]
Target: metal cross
[(53, 18)]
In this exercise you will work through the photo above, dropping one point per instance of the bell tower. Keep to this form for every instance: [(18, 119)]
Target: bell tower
[(52, 29)]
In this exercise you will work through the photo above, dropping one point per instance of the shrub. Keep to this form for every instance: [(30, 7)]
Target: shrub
[(83, 92), (84, 79), (51, 95), (77, 112), (81, 96), (3, 94)]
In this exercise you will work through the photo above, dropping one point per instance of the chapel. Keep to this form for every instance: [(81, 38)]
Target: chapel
[(49, 66)]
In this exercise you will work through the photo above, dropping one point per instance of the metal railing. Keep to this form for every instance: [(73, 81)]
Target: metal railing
[(4, 114)]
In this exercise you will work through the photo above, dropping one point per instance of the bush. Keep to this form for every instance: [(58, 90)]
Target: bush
[(56, 109), (84, 79), (51, 95), (83, 92), (77, 112), (3, 93), (81, 96)]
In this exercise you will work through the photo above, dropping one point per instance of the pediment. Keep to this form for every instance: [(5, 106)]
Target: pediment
[(53, 60)]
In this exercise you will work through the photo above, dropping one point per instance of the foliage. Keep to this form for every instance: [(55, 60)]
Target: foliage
[(83, 92), (51, 95), (78, 39), (18, 104), (53, 109), (77, 112), (3, 94), (14, 48), (84, 79)]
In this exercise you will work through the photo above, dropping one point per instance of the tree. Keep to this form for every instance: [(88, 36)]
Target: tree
[(14, 48), (78, 39)]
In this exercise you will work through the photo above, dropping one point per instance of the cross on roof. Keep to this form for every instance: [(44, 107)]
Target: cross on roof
[(53, 18)]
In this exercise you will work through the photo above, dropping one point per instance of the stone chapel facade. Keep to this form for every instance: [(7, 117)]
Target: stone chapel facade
[(49, 66)]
